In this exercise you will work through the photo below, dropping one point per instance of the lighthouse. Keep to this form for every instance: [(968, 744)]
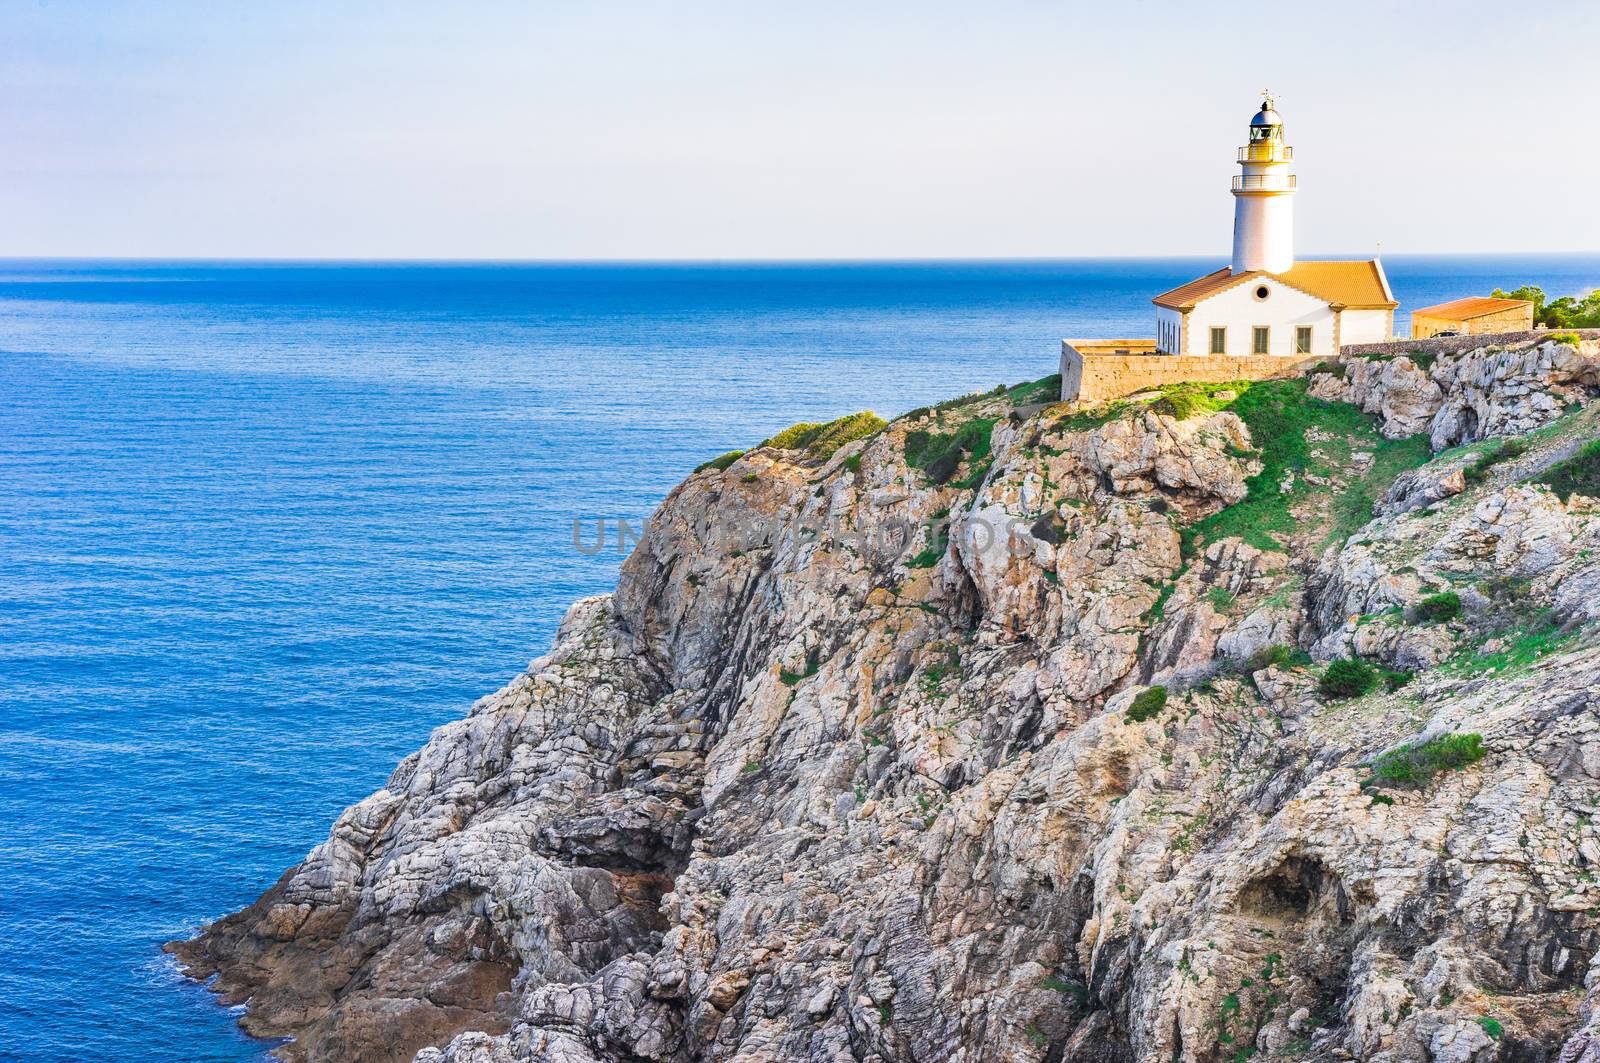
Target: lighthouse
[(1255, 317), (1263, 197)]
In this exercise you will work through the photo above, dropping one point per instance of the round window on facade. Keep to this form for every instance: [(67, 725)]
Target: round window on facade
[(1262, 292)]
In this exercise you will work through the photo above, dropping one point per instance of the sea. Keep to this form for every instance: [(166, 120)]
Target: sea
[(264, 525)]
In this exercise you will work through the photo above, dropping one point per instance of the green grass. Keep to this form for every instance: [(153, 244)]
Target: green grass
[(1183, 401), (1572, 339), (1536, 636), (1579, 474), (1221, 600), (1492, 455), (1147, 705), (970, 398), (1047, 389), (1096, 416), (1158, 608), (1413, 766), (1278, 414), (1438, 608)]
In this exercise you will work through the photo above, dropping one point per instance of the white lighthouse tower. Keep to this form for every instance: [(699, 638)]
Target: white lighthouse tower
[(1263, 197)]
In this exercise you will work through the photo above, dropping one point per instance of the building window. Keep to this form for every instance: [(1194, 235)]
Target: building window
[(1302, 340), (1259, 337), (1219, 341)]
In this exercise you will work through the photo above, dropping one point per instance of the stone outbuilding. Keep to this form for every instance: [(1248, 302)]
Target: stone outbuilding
[(1472, 317)]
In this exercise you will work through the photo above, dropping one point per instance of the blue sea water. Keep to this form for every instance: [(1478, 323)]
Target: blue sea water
[(263, 526)]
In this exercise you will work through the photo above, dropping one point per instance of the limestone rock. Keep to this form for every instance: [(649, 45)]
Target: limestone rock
[(848, 769)]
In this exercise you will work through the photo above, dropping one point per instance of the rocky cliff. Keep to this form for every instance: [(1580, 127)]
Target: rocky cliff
[(1225, 721)]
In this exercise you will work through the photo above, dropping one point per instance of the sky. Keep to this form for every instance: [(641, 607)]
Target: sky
[(863, 129)]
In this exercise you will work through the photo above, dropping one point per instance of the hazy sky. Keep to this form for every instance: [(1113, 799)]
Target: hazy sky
[(801, 129)]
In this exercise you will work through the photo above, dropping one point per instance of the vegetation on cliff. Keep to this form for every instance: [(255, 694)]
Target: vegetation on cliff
[(1222, 722), (1567, 311), (819, 440)]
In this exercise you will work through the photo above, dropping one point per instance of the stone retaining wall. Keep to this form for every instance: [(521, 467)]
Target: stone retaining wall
[(1098, 377), (1456, 344)]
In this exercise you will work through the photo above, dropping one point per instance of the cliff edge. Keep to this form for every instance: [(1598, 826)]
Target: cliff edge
[(1229, 720)]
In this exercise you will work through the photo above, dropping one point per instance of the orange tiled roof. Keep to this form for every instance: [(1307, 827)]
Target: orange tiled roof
[(1358, 285), (1467, 309), (1184, 296), (1347, 285)]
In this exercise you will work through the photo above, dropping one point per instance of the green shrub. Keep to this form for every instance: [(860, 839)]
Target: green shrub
[(1333, 369), (1277, 655), (1437, 608), (1049, 529), (1395, 679), (938, 531), (1491, 1027), (1572, 339), (853, 463), (720, 462), (941, 468), (788, 678), (1147, 704), (1577, 475), (819, 440), (1510, 588), (794, 437), (1348, 678), (1413, 766), (939, 454), (835, 434)]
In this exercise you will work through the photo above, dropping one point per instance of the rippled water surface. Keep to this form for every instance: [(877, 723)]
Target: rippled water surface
[(263, 526)]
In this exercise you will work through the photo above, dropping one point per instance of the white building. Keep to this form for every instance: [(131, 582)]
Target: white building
[(1264, 302)]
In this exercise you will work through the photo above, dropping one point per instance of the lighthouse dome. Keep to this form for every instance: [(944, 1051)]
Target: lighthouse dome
[(1267, 116)]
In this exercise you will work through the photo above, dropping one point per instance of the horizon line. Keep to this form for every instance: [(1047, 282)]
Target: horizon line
[(752, 260)]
